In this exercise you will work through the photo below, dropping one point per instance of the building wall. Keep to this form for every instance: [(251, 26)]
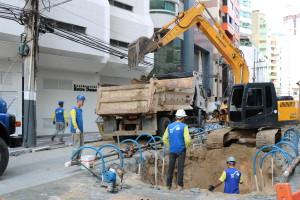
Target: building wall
[(48, 96), (63, 64), (245, 17)]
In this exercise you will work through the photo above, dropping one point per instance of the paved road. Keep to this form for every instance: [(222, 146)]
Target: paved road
[(30, 169)]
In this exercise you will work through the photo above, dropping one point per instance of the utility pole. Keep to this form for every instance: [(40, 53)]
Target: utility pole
[(29, 74)]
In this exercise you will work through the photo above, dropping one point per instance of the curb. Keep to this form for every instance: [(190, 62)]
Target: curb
[(47, 147)]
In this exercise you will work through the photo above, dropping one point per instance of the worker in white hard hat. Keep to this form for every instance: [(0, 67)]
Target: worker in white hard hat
[(232, 178), (178, 138)]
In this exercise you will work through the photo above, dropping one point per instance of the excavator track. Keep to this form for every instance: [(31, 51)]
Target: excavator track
[(225, 137), (215, 140), (267, 137)]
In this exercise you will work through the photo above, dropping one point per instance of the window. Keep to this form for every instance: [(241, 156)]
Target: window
[(71, 27), (166, 7), (230, 20), (224, 2), (254, 97), (119, 43), (121, 5), (59, 84)]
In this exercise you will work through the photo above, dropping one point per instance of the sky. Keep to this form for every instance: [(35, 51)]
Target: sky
[(275, 10)]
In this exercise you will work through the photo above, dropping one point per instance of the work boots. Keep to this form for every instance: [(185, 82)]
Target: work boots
[(52, 138), (180, 188)]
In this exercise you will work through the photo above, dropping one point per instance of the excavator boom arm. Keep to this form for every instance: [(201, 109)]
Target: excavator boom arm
[(184, 21)]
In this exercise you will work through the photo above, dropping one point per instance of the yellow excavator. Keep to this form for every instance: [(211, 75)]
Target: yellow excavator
[(256, 114)]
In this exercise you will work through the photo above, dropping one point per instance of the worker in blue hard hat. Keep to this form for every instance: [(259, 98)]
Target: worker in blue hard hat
[(59, 119), (77, 124), (178, 138), (232, 178)]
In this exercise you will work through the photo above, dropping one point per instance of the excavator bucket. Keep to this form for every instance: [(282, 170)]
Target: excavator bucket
[(138, 49)]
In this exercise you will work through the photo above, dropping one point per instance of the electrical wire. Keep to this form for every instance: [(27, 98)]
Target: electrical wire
[(8, 70)]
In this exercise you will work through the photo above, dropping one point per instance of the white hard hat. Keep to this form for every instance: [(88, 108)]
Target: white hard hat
[(180, 113), (231, 159)]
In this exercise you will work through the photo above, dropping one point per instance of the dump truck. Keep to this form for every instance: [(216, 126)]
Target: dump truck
[(133, 109)]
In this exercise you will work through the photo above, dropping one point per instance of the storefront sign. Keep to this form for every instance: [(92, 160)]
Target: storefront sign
[(86, 88)]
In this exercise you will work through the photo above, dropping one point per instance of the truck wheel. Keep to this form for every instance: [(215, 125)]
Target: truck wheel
[(162, 124), (3, 156)]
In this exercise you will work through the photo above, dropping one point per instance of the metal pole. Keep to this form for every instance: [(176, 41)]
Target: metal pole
[(253, 77), (188, 49), (29, 69)]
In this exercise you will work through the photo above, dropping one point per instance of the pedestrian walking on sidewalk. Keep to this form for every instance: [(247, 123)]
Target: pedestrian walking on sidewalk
[(60, 120), (232, 178), (77, 124), (178, 138)]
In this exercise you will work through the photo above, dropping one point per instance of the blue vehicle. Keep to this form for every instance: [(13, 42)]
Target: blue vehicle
[(7, 128)]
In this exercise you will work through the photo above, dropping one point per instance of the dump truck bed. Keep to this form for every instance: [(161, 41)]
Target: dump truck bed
[(158, 95)]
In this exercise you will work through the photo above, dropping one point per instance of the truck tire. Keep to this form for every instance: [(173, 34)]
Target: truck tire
[(162, 124), (3, 156)]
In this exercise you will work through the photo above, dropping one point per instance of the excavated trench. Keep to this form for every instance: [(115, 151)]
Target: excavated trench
[(204, 167)]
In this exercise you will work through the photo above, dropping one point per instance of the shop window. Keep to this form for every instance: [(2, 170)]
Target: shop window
[(58, 84)]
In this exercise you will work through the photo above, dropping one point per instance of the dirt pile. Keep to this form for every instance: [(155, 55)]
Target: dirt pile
[(204, 167)]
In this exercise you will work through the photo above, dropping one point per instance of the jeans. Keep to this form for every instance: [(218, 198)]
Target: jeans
[(180, 166)]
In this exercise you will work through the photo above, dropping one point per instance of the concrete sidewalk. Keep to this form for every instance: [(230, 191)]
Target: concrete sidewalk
[(45, 143)]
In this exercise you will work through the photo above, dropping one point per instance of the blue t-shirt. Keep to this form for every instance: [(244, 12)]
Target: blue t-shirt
[(79, 120), (176, 137), (59, 115), (232, 180)]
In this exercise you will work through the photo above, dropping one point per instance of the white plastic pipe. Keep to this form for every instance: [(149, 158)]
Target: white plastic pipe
[(155, 168), (257, 189), (163, 167), (262, 178), (272, 168)]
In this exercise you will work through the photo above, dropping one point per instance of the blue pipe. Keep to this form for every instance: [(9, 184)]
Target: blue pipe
[(148, 134), (292, 135), (140, 149), (294, 130), (97, 152), (294, 142), (117, 148), (279, 144), (273, 151), (255, 157), (165, 150)]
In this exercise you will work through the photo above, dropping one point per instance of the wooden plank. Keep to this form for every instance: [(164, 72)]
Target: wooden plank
[(125, 87), (123, 99)]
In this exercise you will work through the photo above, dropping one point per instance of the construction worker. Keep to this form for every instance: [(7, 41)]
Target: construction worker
[(59, 119), (232, 178), (178, 138), (77, 124)]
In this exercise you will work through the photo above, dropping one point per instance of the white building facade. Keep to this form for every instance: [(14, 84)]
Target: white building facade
[(66, 68)]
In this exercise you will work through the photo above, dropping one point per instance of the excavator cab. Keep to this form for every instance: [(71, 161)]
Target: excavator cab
[(255, 105)]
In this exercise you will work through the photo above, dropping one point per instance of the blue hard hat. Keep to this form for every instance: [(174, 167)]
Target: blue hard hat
[(60, 103), (80, 97)]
